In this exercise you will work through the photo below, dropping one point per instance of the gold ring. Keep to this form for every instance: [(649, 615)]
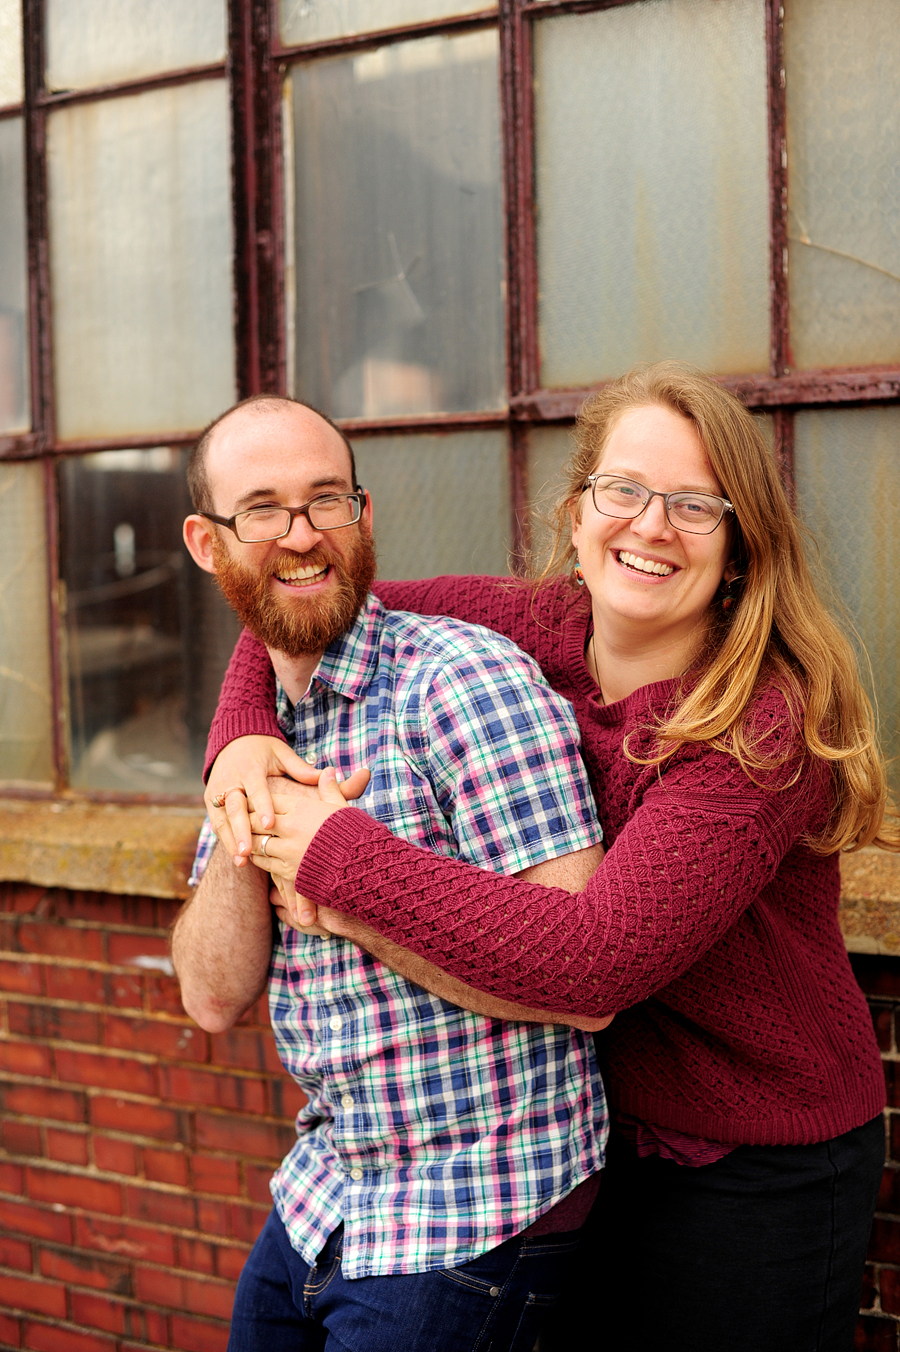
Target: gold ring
[(219, 800)]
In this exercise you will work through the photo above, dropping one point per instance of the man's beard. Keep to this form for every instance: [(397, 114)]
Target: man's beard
[(306, 624)]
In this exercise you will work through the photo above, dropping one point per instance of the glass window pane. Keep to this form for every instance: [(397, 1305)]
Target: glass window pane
[(843, 102), (652, 188), (398, 229), (26, 745), (848, 490), (12, 88), (141, 240), (548, 450), (148, 634), (441, 502), (15, 413), (95, 42), (301, 21)]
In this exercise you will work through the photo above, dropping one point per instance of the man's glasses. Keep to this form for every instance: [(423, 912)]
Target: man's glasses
[(696, 513), (258, 524)]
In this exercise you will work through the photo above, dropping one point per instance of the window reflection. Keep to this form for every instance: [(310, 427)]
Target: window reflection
[(14, 403), (148, 635)]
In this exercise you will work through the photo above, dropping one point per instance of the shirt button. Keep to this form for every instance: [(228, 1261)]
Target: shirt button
[(356, 1174), (336, 1024), (494, 1291), (310, 757), (346, 1100)]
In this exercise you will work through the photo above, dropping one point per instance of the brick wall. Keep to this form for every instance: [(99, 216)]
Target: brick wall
[(135, 1149)]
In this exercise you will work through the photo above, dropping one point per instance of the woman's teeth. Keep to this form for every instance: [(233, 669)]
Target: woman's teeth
[(645, 565)]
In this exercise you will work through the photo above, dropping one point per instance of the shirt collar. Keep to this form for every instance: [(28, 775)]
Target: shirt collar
[(347, 666)]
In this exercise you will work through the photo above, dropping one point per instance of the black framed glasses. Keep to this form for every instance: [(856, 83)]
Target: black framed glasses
[(695, 513), (329, 512)]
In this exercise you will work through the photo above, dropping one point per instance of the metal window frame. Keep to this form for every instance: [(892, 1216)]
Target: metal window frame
[(256, 66)]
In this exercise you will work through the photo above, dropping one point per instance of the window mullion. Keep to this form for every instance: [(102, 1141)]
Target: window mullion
[(778, 202)]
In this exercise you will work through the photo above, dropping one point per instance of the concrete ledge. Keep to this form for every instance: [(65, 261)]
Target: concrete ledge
[(870, 902), (98, 847)]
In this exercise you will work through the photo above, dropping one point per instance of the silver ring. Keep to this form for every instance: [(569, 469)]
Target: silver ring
[(263, 846)]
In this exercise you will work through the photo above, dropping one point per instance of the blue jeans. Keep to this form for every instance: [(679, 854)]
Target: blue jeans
[(495, 1303)]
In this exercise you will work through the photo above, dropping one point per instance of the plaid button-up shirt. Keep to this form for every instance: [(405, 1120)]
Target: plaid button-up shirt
[(432, 1133)]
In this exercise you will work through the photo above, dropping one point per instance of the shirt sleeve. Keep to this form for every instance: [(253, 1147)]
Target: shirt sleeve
[(206, 843), (502, 752)]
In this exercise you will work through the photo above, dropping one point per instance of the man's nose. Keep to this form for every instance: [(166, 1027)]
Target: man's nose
[(302, 535)]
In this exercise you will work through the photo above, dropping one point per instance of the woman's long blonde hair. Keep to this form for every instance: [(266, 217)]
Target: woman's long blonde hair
[(778, 628)]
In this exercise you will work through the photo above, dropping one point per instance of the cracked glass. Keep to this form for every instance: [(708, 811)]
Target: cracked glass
[(15, 415), (314, 20), (26, 712), (652, 188), (843, 128), (95, 42), (848, 492), (441, 502), (396, 298)]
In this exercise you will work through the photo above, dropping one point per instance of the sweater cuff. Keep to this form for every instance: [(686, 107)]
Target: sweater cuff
[(331, 850), (241, 723)]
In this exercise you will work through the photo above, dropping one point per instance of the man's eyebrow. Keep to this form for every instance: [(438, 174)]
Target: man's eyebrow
[(335, 483)]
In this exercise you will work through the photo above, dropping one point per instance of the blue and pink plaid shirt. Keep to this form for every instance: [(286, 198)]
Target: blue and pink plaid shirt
[(432, 1133)]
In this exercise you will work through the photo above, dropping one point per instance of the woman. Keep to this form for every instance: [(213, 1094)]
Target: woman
[(732, 755)]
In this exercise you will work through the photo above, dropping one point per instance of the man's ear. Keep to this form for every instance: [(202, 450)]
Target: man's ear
[(367, 511), (198, 536)]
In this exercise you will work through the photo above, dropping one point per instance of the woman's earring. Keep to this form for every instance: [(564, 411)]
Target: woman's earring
[(730, 592), (577, 573)]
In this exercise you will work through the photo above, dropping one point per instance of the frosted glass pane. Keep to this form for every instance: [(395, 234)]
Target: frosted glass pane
[(548, 450), (843, 102), (441, 502), (651, 162), (398, 229), (848, 492), (14, 399), (313, 20), (141, 244), (25, 691), (95, 42), (148, 634), (12, 89)]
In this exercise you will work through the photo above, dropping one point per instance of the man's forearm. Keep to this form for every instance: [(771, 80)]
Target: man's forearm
[(222, 943)]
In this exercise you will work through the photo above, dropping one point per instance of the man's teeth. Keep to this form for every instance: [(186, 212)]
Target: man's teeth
[(307, 574), (645, 565)]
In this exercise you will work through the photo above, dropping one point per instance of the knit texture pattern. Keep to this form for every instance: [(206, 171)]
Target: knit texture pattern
[(710, 929)]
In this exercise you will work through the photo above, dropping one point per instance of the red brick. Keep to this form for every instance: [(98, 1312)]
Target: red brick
[(198, 1335), (890, 1290), (238, 1092), (124, 948), (108, 909), (884, 1245), (124, 1239), (54, 1021), (180, 1041), (22, 1218), (245, 1222), (78, 1190), (97, 1312), (106, 1072), (179, 1292), (115, 1156), (163, 994), (10, 1331), (23, 978), (256, 1179), (25, 1058), (68, 1146), (875, 976), (244, 1135), (151, 1326), (38, 1100), (85, 984), (165, 1166), (196, 1255), (21, 1138), (15, 1253), (230, 1261), (53, 1338), (212, 1217), (883, 1022), (892, 1082), (165, 1208), (248, 1048), (213, 1173), (127, 990), (286, 1097), (143, 1119), (64, 941), (894, 1136), (25, 897), (85, 1269), (25, 1293), (875, 1335), (12, 1178), (870, 1288)]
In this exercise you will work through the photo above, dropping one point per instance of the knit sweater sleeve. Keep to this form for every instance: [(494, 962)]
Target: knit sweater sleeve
[(701, 847), (246, 701)]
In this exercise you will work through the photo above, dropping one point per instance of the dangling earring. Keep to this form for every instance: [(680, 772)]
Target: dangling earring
[(577, 573), (729, 593)]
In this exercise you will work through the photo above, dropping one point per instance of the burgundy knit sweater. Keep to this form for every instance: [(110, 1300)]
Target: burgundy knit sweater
[(710, 928)]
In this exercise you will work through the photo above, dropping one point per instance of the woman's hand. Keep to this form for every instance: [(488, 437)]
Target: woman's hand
[(238, 782), (299, 812), (287, 911)]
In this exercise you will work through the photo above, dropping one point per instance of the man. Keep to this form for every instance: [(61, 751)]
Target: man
[(445, 1159)]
